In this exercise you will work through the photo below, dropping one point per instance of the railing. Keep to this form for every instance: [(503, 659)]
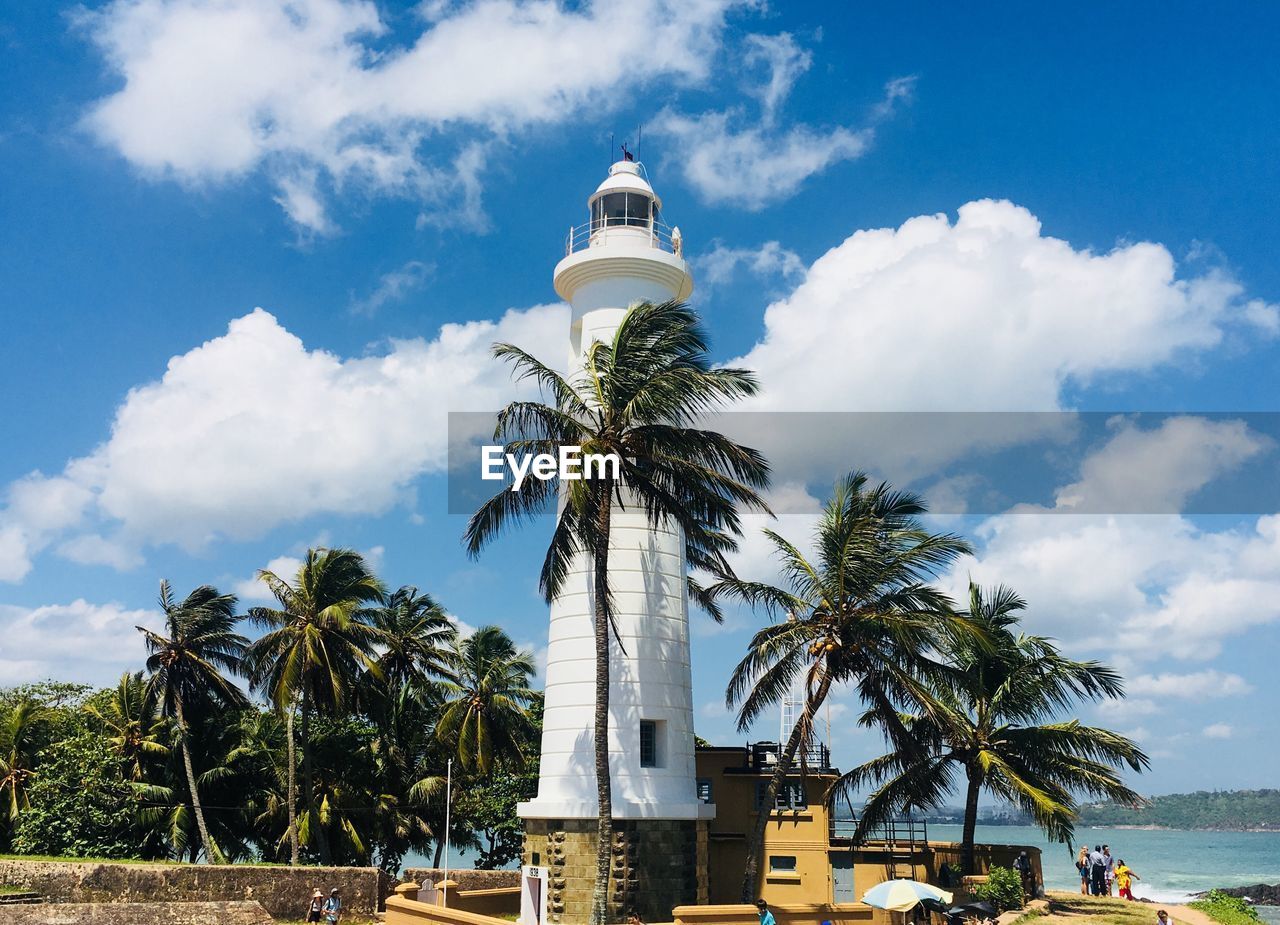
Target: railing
[(764, 756), (897, 834), (593, 234)]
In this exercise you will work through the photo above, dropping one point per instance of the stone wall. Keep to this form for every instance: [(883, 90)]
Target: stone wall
[(223, 913), (283, 891), (466, 878), (656, 864)]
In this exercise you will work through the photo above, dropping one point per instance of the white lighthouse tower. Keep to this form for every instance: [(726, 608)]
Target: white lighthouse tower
[(623, 254)]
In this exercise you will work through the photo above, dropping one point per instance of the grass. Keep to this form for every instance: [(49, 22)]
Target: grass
[(6, 890), (1102, 910), (52, 857)]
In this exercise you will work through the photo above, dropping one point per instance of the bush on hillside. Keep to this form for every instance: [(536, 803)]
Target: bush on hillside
[(1229, 910), (1003, 889)]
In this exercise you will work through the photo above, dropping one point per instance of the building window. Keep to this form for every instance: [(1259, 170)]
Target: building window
[(704, 789), (648, 743), (782, 863), (790, 795)]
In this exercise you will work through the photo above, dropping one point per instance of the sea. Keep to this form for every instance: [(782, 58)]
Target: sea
[(1172, 863)]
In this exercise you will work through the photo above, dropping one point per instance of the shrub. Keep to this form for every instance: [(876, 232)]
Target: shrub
[(1003, 889), (1230, 910)]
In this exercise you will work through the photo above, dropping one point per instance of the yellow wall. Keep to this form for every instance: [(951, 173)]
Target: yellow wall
[(805, 835)]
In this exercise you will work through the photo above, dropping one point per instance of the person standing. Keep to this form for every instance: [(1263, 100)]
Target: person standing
[(1097, 871), (766, 917), (1124, 880), (1110, 868), (1082, 866), (333, 907), (315, 907), (1022, 864)]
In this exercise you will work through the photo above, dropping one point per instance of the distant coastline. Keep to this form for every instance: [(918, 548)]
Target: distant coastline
[(1202, 811)]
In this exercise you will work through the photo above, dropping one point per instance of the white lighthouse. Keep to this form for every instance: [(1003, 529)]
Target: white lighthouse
[(622, 255)]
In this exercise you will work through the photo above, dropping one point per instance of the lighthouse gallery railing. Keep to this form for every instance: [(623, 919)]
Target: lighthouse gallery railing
[(592, 234)]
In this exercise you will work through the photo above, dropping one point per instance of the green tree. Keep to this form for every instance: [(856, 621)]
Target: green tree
[(859, 611), (991, 721), (417, 638), (186, 672), (317, 645), (636, 397), (80, 805), (129, 720), (486, 696), (18, 742)]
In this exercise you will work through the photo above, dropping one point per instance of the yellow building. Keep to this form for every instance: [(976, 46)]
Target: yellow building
[(809, 855)]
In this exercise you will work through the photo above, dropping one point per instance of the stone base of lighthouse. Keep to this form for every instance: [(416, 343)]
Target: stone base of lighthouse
[(657, 864)]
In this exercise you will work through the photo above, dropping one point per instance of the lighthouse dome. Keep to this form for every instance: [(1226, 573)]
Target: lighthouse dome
[(624, 198)]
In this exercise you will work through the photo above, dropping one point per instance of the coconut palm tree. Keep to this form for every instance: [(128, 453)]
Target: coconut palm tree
[(486, 696), (417, 636), (859, 611), (991, 722), (131, 724), (317, 645), (185, 668), (637, 397), (18, 730)]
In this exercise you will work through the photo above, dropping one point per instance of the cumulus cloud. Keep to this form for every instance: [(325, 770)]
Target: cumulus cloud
[(99, 639), (1157, 470), (252, 429), (982, 313), (1194, 686), (321, 96), (1219, 731)]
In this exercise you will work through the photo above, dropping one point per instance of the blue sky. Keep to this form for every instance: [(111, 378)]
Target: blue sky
[(1058, 207)]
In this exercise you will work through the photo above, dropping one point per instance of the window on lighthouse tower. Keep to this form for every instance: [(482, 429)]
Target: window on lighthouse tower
[(628, 208)]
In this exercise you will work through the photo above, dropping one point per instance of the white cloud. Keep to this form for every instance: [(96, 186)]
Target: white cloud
[(392, 287), (251, 430), (95, 549), (1157, 470), (253, 591), (1195, 686), (1218, 731), (321, 96), (785, 61), (983, 313), (15, 553), (730, 161), (99, 639), (718, 265)]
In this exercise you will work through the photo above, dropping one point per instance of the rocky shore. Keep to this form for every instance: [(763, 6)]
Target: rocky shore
[(1260, 894)]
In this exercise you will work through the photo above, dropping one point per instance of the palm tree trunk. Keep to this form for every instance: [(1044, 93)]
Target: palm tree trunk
[(308, 781), (293, 787), (210, 850), (604, 788), (970, 820), (439, 853), (755, 845)]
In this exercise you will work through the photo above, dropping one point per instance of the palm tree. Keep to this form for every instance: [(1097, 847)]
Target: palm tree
[(487, 695), (859, 612), (416, 638), (636, 397), (131, 724), (991, 721), (17, 755), (316, 647), (185, 671)]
